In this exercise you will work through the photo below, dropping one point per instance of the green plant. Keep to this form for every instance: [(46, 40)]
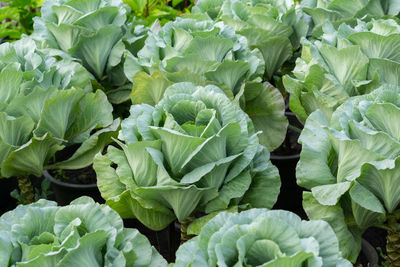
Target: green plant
[(345, 63), (41, 193), (97, 34), (261, 237), (16, 17), (149, 11), (193, 152), (343, 11), (83, 233), (351, 166), (204, 52), (273, 27), (43, 108)]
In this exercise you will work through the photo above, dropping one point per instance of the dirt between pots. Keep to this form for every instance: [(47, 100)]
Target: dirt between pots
[(81, 176)]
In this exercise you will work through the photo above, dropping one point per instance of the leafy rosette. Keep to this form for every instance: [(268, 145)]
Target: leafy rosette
[(41, 112), (342, 11), (351, 165), (193, 152), (83, 233), (274, 27), (96, 33), (38, 69), (261, 237), (204, 52), (345, 63)]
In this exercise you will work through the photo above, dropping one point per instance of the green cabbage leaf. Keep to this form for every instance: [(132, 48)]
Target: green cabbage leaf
[(41, 111), (194, 151), (83, 233), (208, 53), (261, 237), (342, 11), (274, 27), (350, 165), (346, 62), (97, 34)]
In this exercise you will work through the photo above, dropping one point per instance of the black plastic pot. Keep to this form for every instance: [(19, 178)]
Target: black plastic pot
[(7, 185), (291, 195), (66, 192)]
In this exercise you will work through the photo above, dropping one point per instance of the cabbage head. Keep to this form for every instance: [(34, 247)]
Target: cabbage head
[(194, 151), (261, 237), (41, 111), (94, 32), (343, 11), (204, 52), (39, 69), (346, 62), (274, 27), (351, 166), (84, 234)]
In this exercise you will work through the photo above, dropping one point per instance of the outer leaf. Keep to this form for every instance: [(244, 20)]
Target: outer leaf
[(275, 52), (349, 239), (96, 111), (263, 191), (380, 179), (148, 89), (10, 80), (94, 49), (15, 131), (85, 154), (55, 117), (314, 170), (264, 103), (107, 180), (29, 158), (151, 214)]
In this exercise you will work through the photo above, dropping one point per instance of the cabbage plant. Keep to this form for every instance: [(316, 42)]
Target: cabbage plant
[(83, 233), (274, 27), (342, 11), (204, 52), (194, 151), (95, 32), (38, 69), (345, 63), (351, 166), (41, 112), (261, 237)]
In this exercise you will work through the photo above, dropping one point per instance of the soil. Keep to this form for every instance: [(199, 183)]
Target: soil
[(81, 176)]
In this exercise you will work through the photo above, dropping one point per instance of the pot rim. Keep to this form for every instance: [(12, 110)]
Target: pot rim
[(286, 157), (70, 185)]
